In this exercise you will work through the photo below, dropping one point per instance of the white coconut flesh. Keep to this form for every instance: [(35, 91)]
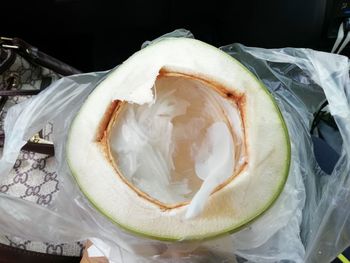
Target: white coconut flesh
[(180, 142), (167, 148)]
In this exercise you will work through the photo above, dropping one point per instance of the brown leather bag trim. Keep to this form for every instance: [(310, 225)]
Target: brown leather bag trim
[(12, 93), (43, 148), (10, 254)]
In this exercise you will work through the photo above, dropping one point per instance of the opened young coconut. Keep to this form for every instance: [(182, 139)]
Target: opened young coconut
[(180, 142)]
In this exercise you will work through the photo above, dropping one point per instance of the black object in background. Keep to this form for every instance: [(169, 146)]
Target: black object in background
[(96, 35)]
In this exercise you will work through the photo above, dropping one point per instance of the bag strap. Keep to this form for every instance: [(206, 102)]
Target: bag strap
[(35, 56), (12, 93)]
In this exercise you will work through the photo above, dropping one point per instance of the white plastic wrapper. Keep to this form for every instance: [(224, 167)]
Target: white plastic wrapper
[(310, 221)]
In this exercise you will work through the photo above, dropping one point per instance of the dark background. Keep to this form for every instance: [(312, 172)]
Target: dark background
[(97, 35)]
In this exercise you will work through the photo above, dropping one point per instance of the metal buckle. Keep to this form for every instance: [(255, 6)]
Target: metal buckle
[(7, 42)]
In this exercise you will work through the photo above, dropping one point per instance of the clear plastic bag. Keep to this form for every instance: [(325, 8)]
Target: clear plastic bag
[(308, 223)]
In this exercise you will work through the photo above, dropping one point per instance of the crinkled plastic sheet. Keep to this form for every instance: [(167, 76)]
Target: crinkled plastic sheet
[(308, 223)]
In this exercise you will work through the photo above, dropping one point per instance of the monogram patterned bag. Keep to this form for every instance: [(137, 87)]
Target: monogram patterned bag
[(24, 72)]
